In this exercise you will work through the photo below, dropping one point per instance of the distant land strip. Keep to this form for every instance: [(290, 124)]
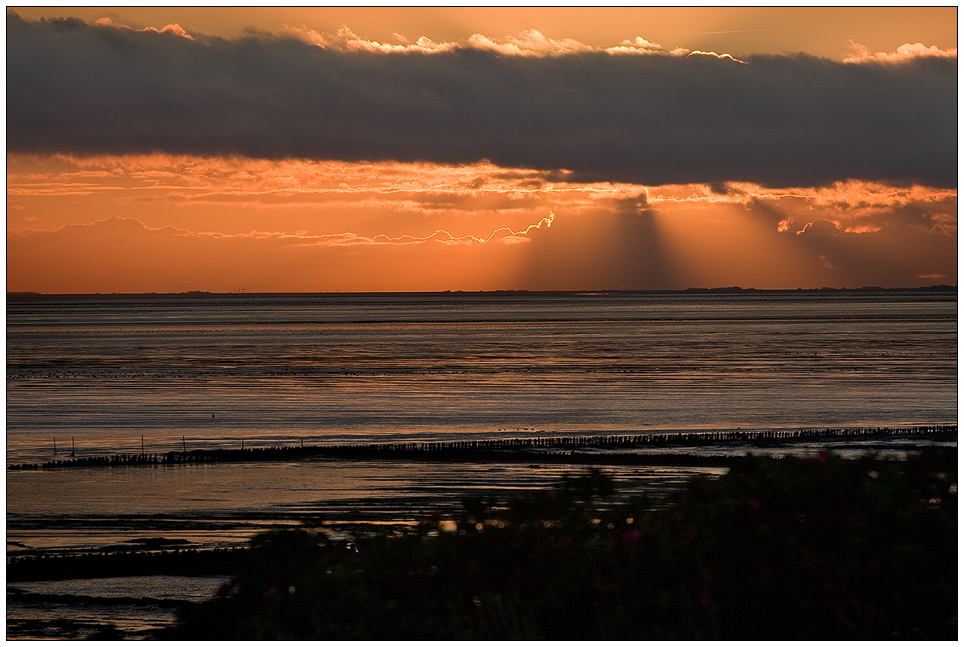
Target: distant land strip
[(336, 293), (561, 449)]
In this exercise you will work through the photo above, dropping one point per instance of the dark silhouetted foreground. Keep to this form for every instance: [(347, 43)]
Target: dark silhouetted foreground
[(824, 548)]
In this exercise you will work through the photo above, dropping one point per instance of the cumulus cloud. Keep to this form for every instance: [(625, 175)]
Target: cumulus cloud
[(173, 28), (640, 45), (345, 39), (652, 119), (905, 52), (531, 42)]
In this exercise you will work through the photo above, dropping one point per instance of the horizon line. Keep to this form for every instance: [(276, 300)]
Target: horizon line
[(718, 290)]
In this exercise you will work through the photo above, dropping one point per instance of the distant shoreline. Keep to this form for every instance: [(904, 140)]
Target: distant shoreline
[(718, 290)]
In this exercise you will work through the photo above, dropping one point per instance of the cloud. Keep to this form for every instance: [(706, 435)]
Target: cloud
[(649, 119), (505, 235), (173, 28), (612, 242), (346, 40), (820, 228), (116, 224), (120, 254), (640, 45), (530, 43), (715, 55), (905, 52)]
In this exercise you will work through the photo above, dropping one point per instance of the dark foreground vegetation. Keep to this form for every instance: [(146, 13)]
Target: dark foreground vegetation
[(823, 548)]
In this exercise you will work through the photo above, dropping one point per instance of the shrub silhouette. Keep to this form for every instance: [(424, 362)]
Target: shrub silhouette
[(821, 548)]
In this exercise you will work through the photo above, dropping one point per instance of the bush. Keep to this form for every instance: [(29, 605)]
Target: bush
[(787, 549)]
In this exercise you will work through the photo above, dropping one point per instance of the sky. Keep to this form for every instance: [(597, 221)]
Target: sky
[(421, 149)]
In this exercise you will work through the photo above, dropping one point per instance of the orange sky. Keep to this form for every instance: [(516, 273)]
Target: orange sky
[(83, 221), (822, 31)]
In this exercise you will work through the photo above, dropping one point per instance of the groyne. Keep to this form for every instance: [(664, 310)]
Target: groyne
[(67, 566), (542, 448)]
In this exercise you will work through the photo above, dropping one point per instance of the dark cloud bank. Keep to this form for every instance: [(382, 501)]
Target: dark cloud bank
[(778, 121)]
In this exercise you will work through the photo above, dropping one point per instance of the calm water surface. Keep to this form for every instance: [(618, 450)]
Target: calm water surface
[(105, 373), (210, 371)]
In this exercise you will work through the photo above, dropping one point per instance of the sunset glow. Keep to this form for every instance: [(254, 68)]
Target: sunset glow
[(432, 162)]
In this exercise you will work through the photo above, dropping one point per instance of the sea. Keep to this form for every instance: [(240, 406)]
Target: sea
[(96, 375)]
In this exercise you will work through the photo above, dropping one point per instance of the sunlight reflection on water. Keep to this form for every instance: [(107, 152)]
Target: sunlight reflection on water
[(217, 505)]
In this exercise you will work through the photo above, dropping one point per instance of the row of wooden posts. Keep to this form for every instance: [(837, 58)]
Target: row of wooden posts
[(467, 448)]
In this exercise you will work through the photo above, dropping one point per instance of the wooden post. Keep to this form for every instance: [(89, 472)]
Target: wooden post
[(73, 452), (55, 444), (183, 444)]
